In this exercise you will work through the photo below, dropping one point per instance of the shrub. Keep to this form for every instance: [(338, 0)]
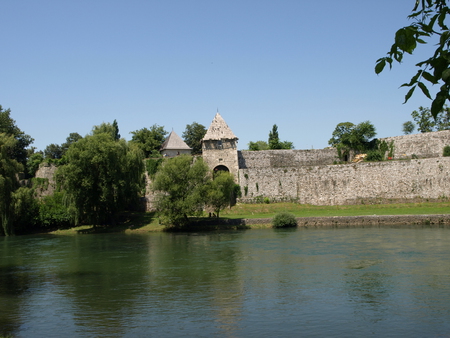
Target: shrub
[(284, 220), (446, 151), (374, 155)]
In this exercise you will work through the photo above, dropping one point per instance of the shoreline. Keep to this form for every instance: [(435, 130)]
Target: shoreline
[(437, 221)]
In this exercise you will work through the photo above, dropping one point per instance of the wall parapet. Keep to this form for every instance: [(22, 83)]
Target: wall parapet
[(285, 158)]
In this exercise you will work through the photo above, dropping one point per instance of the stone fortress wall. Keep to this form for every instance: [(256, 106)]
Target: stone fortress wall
[(423, 145), (310, 177)]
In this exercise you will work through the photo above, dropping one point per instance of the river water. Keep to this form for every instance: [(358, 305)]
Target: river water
[(283, 283)]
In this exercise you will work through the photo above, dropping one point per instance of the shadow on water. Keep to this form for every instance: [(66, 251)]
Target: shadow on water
[(14, 281), (210, 224)]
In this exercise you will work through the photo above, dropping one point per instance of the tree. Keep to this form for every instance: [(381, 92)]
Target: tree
[(149, 140), (180, 185), (274, 140), (103, 176), (9, 127), (116, 134), (429, 18), (72, 138), (341, 129), (107, 128), (33, 163), (443, 119), (427, 123), (53, 151), (258, 145), (9, 183), (423, 120), (348, 137), (220, 191), (408, 127), (193, 136)]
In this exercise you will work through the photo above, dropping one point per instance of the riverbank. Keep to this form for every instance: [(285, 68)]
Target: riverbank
[(255, 216)]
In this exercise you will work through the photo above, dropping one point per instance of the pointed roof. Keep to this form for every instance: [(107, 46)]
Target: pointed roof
[(173, 141), (219, 130)]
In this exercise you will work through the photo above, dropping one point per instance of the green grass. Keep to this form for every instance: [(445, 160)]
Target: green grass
[(299, 210)]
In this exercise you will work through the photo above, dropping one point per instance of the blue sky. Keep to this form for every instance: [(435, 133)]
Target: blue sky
[(306, 66)]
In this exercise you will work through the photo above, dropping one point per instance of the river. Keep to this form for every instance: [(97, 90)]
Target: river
[(299, 282)]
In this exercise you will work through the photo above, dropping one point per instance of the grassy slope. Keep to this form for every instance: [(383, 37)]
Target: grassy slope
[(269, 210)]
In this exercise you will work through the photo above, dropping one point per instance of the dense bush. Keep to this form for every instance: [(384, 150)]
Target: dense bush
[(53, 213), (446, 151), (284, 220), (374, 155)]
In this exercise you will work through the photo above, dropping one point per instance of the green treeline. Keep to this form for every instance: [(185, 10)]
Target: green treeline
[(101, 176)]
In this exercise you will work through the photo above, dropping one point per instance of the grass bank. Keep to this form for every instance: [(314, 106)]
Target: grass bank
[(148, 222)]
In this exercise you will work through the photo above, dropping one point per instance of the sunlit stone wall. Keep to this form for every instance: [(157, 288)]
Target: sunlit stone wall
[(366, 182), (285, 158), (423, 145)]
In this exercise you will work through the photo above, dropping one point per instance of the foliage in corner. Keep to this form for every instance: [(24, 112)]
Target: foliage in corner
[(429, 18)]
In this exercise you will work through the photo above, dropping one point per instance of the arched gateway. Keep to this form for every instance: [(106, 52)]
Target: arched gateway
[(219, 147)]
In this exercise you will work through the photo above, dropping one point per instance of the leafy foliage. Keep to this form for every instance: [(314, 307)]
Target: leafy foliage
[(53, 212), (429, 18), (339, 132), (26, 210), (149, 140), (273, 142), (408, 127), (220, 192), (258, 145), (33, 163), (102, 178), (72, 138), (107, 128), (8, 126), (181, 185), (152, 165), (9, 168), (193, 136), (53, 151), (348, 137), (284, 220), (427, 123)]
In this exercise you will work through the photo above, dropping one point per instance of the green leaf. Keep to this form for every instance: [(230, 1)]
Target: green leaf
[(380, 66), (408, 95), (446, 75), (424, 90), (405, 39), (430, 78), (413, 79), (438, 102)]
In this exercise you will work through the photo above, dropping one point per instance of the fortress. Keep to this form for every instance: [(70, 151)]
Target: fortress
[(417, 172)]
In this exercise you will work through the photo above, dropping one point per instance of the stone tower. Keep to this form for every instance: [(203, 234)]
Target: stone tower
[(219, 147)]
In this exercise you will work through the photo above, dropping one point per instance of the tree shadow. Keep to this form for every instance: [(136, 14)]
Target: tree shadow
[(127, 221), (210, 224)]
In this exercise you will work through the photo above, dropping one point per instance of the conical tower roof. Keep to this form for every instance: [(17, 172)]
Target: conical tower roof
[(173, 141), (219, 130)]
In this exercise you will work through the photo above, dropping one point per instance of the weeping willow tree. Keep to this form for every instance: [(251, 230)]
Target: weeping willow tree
[(9, 182), (103, 176)]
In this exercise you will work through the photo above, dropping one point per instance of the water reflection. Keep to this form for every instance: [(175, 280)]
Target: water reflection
[(350, 282)]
